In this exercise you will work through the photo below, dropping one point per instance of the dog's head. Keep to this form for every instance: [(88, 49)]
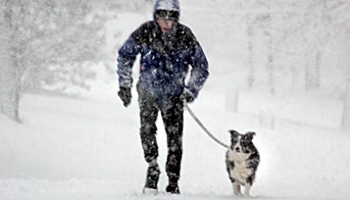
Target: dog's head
[(242, 143)]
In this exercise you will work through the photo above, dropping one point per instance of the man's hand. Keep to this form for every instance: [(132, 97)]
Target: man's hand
[(187, 96), (125, 95)]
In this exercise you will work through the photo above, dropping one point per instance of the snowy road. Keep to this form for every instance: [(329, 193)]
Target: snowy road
[(89, 149)]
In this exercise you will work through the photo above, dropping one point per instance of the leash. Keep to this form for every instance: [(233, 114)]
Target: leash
[(203, 127)]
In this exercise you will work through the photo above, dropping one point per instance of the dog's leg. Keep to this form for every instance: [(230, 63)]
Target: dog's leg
[(247, 190), (236, 188)]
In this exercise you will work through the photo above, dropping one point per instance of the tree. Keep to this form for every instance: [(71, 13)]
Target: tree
[(250, 60), (325, 20), (346, 111), (8, 77), (333, 22), (259, 25), (46, 43)]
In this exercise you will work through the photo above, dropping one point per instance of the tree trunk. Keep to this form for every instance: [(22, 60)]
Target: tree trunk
[(9, 91), (270, 64), (346, 111), (9, 83), (9, 80), (312, 73), (250, 52)]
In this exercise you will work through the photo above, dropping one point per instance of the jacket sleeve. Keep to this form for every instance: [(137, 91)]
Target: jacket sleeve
[(199, 72), (126, 58)]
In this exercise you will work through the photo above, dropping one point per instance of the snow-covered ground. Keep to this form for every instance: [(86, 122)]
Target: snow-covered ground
[(89, 147)]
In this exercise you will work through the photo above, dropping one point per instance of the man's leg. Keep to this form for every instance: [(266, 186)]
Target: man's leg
[(148, 117), (172, 114)]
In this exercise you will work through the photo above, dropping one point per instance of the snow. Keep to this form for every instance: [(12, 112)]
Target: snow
[(89, 147)]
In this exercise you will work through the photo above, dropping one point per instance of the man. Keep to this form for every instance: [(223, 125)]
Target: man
[(167, 48)]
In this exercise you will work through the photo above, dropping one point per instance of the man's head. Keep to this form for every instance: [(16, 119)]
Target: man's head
[(166, 13)]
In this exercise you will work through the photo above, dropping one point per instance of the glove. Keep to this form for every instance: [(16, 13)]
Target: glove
[(187, 96), (125, 95)]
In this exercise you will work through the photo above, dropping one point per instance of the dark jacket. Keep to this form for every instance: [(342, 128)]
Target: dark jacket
[(165, 60)]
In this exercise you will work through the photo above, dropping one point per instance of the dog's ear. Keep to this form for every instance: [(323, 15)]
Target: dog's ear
[(234, 133), (250, 135)]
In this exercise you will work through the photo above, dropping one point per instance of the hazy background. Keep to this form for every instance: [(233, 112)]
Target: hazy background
[(280, 68), (280, 48)]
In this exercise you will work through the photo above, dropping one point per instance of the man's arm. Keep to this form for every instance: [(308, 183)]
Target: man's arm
[(126, 58), (199, 72)]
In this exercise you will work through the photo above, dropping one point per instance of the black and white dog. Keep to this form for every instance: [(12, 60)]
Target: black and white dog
[(242, 160)]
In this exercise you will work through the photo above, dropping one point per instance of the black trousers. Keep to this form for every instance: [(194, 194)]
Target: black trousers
[(171, 109)]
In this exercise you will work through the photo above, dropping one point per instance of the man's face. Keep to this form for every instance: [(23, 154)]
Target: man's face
[(166, 19), (165, 24)]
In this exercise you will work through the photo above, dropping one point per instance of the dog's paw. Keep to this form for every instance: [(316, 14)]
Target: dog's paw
[(237, 194), (247, 196)]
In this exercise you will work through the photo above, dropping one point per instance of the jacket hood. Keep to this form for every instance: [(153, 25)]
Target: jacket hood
[(171, 5)]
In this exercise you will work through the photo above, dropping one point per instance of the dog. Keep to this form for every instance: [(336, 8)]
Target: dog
[(242, 161)]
